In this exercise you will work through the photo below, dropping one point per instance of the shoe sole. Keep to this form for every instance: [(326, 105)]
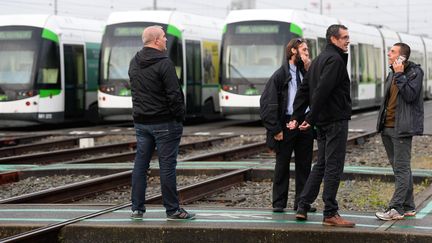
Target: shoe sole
[(410, 215), (339, 225), (389, 219), (171, 219), (301, 217)]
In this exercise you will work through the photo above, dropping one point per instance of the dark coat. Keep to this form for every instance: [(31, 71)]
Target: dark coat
[(325, 89), (273, 103), (409, 115), (156, 93)]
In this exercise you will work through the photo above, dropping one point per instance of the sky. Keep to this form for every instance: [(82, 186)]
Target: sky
[(412, 16)]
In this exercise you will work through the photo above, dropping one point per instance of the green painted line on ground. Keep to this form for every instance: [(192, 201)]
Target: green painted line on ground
[(260, 221), (53, 210), (34, 220), (424, 211), (225, 213), (411, 227), (201, 211), (203, 165)]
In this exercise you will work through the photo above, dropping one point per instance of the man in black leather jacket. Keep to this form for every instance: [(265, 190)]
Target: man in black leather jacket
[(326, 90)]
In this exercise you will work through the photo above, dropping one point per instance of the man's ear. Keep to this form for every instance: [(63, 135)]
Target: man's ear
[(293, 51), (333, 39)]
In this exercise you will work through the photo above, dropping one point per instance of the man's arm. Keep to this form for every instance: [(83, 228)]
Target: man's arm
[(411, 86), (173, 90), (269, 106)]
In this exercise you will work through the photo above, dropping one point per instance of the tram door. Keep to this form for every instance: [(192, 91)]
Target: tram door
[(193, 77), (74, 81)]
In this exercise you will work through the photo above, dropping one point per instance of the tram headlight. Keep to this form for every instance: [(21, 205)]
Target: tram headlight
[(107, 89), (230, 88), (26, 93)]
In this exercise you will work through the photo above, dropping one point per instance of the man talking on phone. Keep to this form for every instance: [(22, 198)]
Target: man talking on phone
[(400, 118)]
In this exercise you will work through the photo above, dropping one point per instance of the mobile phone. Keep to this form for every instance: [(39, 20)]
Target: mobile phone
[(400, 59)]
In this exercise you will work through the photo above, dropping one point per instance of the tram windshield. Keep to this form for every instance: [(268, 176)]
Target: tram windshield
[(120, 44), (28, 62), (253, 50), (17, 56)]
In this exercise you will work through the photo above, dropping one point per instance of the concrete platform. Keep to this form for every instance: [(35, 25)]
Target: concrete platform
[(212, 225)]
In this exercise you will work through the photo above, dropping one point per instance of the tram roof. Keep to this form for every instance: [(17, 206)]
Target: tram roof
[(301, 18), (188, 24), (54, 22)]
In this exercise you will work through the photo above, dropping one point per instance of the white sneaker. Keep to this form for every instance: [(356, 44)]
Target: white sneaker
[(391, 214)]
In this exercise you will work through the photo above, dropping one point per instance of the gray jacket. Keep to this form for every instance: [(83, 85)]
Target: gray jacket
[(409, 115)]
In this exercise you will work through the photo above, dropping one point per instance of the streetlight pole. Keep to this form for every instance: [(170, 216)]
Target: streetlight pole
[(55, 7), (321, 2), (154, 4), (408, 5)]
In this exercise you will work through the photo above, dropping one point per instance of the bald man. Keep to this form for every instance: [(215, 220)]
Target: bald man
[(158, 112)]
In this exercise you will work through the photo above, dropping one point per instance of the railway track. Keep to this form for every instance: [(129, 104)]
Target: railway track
[(186, 194), (74, 153), (80, 190)]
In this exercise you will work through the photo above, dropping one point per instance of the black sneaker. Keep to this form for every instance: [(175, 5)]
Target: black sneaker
[(301, 214), (311, 209), (137, 214), (181, 214)]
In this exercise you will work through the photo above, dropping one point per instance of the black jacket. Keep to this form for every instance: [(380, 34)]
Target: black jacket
[(156, 92), (325, 89), (409, 103), (273, 102)]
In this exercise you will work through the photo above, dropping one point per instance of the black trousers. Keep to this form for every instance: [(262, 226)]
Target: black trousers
[(301, 142), (332, 140)]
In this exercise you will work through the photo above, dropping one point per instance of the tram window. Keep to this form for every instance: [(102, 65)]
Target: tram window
[(119, 59), (175, 53), (253, 61), (193, 62), (197, 62), (322, 42), (429, 64), (16, 66), (312, 45), (417, 57), (49, 64), (363, 72), (106, 56), (354, 63), (371, 64), (210, 59), (49, 75), (378, 65)]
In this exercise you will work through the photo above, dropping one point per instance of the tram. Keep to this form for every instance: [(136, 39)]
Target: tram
[(48, 69), (253, 47), (193, 44)]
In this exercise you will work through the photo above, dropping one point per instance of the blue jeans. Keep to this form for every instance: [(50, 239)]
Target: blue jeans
[(165, 137), (332, 140), (399, 154)]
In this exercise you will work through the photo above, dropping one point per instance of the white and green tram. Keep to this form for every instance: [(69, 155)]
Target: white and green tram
[(253, 47), (49, 68), (193, 43)]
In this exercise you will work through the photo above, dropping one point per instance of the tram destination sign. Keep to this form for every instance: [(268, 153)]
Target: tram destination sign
[(128, 31), (15, 34), (257, 29)]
